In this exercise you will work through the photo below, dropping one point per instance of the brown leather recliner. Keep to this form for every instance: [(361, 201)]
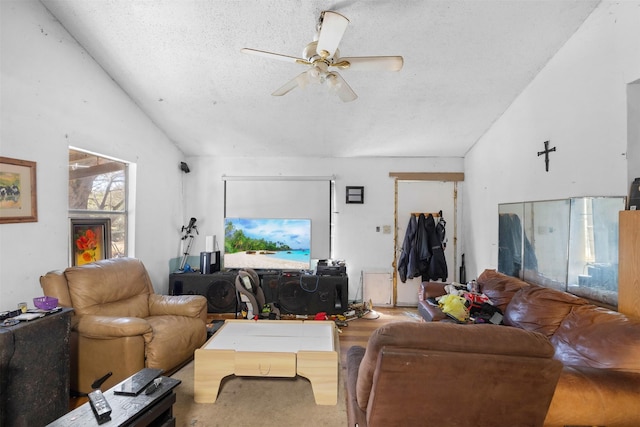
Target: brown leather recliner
[(120, 325), (446, 375)]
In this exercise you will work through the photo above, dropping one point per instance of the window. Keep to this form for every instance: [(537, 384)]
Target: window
[(98, 189)]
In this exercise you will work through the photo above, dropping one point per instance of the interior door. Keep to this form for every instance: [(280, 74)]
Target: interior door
[(427, 197)]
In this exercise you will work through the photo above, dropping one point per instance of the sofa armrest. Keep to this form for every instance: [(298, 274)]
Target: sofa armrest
[(356, 416), (107, 327), (54, 284), (178, 305), (431, 313), (431, 290)]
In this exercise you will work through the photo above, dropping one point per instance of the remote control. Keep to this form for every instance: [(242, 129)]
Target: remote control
[(100, 406)]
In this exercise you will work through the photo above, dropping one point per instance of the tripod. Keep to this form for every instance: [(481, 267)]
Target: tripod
[(187, 230)]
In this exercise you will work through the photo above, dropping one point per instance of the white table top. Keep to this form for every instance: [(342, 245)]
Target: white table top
[(273, 336)]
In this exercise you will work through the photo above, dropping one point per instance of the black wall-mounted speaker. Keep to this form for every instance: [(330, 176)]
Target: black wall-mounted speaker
[(219, 288), (307, 294)]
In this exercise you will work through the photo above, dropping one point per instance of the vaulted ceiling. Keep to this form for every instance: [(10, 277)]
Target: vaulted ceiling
[(464, 63)]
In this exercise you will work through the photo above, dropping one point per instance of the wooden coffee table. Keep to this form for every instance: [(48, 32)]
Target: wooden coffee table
[(270, 348)]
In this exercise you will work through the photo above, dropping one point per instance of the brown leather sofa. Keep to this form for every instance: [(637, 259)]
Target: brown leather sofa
[(120, 325), (599, 348), (445, 375)]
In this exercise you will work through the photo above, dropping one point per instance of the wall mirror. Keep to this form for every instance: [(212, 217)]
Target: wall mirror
[(568, 244)]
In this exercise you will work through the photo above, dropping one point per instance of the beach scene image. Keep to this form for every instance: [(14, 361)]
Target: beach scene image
[(267, 243)]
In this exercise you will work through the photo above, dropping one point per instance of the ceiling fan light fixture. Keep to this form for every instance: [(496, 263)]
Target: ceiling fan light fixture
[(322, 54), (333, 82), (314, 74)]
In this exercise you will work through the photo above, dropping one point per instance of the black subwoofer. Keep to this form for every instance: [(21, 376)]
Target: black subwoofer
[(307, 294), (219, 288), (270, 285)]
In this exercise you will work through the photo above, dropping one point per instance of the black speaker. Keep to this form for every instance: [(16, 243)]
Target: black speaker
[(307, 294), (270, 284), (219, 288)]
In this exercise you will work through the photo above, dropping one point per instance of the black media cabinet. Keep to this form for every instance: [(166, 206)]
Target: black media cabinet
[(294, 293), (155, 409)]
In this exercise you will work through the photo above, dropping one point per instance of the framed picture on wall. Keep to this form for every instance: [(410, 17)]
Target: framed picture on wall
[(355, 194), (90, 240), (18, 198)]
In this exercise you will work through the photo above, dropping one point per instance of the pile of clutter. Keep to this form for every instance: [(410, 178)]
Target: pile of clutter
[(355, 311), (465, 304)]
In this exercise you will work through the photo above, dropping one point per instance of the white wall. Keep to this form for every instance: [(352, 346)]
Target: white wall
[(54, 95), (579, 103), (356, 240)]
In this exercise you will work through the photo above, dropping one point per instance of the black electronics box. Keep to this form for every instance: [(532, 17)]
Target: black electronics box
[(331, 270), (327, 267), (634, 195)]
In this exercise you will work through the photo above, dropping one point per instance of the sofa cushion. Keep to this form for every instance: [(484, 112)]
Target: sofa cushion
[(599, 338), (540, 309), (447, 337), (111, 287), (499, 287)]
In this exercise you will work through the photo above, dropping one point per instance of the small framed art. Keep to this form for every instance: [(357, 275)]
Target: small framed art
[(355, 194), (18, 198), (90, 240)]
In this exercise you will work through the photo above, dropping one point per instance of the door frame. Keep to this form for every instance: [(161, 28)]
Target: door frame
[(423, 176)]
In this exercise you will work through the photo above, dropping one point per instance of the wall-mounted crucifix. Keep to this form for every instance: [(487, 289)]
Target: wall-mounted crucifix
[(546, 152)]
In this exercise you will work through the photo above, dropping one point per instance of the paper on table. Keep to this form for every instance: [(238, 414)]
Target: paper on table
[(29, 316)]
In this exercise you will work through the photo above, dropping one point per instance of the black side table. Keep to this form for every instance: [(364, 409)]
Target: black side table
[(155, 409), (34, 370)]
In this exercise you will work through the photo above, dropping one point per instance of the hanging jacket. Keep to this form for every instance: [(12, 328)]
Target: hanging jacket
[(441, 231), (407, 262), (422, 249), (437, 263)]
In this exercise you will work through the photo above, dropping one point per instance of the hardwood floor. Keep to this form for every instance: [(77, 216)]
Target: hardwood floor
[(359, 330)]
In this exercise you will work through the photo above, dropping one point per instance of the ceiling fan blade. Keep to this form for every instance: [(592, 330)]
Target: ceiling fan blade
[(331, 31), (277, 56), (371, 63), (300, 80), (341, 88)]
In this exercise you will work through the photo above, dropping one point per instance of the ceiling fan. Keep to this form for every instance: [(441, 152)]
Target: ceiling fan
[(322, 57)]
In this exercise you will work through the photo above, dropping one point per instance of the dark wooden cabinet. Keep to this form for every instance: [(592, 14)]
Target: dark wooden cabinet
[(153, 410), (34, 370)]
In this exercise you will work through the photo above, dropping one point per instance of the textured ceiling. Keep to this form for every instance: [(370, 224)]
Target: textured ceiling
[(180, 61)]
